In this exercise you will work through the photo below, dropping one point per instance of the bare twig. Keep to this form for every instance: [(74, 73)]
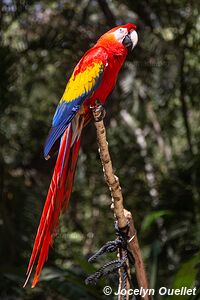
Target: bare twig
[(184, 105), (123, 217)]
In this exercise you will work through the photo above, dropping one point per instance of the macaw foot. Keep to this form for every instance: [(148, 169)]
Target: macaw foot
[(98, 110)]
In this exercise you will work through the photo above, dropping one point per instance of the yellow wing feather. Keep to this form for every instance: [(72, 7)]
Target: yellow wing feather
[(82, 83)]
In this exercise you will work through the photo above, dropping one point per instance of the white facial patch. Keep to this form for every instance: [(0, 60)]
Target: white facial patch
[(120, 33)]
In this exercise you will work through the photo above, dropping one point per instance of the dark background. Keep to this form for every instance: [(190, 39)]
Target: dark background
[(153, 126)]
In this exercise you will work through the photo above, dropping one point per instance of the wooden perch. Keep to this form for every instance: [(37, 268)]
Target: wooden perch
[(123, 216)]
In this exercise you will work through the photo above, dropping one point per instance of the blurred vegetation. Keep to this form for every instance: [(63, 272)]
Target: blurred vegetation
[(153, 122)]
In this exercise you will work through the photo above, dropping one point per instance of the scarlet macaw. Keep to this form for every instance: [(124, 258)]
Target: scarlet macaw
[(93, 78)]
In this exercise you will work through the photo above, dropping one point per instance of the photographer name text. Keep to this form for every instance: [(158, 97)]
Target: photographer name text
[(183, 291)]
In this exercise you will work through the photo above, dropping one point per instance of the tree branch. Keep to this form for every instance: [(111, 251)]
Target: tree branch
[(123, 217), (107, 13)]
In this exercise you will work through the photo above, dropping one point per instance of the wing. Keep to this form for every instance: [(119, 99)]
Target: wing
[(84, 81)]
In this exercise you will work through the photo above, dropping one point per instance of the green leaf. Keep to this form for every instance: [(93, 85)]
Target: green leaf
[(185, 277), (152, 217)]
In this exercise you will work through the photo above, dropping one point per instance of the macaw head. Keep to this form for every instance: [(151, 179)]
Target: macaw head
[(124, 35)]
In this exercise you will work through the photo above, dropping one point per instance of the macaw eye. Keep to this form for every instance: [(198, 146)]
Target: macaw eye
[(121, 30)]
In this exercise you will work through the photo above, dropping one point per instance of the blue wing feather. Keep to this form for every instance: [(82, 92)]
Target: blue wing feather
[(65, 112)]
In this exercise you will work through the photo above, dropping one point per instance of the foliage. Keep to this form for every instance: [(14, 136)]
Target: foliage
[(153, 121)]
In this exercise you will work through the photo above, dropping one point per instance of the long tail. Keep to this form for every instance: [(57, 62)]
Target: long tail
[(57, 197)]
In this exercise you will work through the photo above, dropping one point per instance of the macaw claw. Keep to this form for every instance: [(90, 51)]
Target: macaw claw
[(99, 111)]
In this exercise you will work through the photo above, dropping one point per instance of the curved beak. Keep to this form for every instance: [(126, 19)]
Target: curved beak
[(130, 40)]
